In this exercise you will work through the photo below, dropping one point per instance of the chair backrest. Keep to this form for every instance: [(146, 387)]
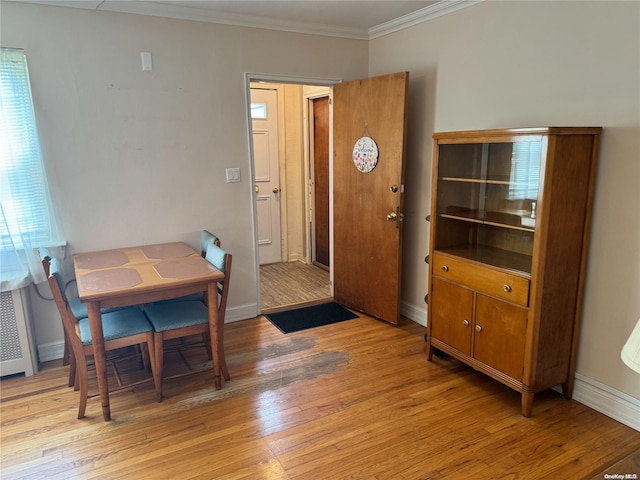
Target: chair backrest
[(222, 261), (56, 283), (207, 238), (46, 259)]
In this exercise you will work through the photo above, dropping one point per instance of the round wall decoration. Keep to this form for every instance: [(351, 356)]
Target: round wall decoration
[(365, 154)]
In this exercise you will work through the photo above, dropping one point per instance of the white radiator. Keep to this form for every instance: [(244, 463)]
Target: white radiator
[(17, 343)]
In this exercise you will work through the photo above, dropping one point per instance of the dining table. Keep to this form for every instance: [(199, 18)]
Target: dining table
[(134, 276)]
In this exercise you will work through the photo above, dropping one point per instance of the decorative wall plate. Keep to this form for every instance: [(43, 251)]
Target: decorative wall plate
[(365, 154)]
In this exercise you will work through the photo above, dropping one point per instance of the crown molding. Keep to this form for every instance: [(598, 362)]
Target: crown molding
[(158, 9), (240, 20), (443, 7)]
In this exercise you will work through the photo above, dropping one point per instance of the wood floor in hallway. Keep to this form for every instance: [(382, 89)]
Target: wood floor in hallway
[(292, 283)]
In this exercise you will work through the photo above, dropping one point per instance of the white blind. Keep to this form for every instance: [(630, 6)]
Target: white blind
[(23, 188), (26, 220), (525, 170)]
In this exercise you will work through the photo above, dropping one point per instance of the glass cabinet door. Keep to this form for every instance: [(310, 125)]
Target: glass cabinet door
[(487, 196)]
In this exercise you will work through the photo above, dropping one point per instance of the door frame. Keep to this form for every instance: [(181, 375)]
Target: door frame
[(250, 77), (309, 160)]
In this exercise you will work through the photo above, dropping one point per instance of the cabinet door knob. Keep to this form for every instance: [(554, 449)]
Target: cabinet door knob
[(478, 328), (507, 288), (465, 322), (445, 268)]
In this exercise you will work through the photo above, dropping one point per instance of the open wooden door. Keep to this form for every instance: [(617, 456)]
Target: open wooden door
[(368, 206)]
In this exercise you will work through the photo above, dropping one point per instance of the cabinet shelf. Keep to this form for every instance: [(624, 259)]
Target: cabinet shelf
[(488, 222), (488, 181)]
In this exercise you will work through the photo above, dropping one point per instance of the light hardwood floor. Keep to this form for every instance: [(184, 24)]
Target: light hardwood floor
[(357, 399), (292, 283)]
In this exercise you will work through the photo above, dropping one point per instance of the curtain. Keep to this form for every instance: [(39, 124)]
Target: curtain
[(27, 220)]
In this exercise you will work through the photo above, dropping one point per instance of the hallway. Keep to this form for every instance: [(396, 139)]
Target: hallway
[(292, 283)]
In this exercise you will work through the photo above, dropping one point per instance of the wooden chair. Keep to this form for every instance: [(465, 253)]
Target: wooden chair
[(183, 319), (122, 328), (78, 310), (206, 239)]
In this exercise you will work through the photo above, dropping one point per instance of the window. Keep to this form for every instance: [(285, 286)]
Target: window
[(27, 221), (525, 170), (259, 111)]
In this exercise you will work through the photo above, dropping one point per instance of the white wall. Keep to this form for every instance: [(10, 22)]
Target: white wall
[(139, 157), (528, 64)]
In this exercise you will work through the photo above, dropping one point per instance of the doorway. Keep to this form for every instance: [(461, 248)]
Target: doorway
[(299, 273), (367, 116)]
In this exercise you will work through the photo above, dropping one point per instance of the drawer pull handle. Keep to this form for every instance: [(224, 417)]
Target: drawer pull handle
[(445, 268), (478, 328), (507, 288), (465, 322)]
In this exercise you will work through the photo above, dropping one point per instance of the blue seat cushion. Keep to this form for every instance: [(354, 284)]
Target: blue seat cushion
[(119, 324), (194, 297), (79, 309), (171, 316)]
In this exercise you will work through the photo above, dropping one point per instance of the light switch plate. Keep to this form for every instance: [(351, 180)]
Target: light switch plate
[(233, 175), (147, 61)]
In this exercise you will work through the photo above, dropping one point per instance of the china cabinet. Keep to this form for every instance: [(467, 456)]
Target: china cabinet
[(510, 215)]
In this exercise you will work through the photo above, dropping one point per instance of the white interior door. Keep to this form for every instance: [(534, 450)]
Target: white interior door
[(264, 122)]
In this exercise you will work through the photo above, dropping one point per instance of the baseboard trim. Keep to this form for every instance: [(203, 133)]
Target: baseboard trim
[(241, 312), (608, 401), (412, 312), (50, 351)]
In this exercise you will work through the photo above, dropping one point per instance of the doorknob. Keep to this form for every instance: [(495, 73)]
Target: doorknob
[(276, 190), (395, 217), (257, 188)]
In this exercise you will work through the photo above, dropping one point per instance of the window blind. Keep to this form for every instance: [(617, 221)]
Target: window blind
[(27, 220), (525, 170), (24, 194)]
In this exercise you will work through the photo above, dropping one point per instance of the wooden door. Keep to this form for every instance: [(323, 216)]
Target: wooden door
[(321, 181), (500, 330), (367, 237), (264, 126), (451, 314)]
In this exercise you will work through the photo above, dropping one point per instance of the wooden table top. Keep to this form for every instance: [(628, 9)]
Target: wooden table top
[(137, 270)]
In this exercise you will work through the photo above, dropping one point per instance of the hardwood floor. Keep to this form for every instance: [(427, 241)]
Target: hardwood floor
[(357, 399), (292, 283)]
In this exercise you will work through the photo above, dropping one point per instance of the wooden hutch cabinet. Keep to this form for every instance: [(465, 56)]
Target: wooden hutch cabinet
[(510, 216)]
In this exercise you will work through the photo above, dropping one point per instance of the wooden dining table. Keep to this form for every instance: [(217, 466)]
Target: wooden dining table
[(140, 275)]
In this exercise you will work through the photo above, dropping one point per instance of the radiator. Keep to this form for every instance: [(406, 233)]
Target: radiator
[(17, 344)]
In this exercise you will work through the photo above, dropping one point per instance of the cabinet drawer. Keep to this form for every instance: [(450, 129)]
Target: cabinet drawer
[(481, 279)]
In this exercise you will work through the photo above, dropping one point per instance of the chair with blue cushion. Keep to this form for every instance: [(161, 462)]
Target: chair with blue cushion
[(183, 319), (125, 327), (78, 310), (206, 238)]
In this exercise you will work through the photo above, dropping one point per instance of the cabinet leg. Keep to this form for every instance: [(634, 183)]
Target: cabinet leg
[(567, 389), (429, 350), (527, 404)]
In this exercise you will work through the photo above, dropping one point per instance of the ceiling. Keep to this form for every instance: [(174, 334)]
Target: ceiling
[(361, 19)]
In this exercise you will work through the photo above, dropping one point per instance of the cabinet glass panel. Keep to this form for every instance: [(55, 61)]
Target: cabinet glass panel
[(487, 199)]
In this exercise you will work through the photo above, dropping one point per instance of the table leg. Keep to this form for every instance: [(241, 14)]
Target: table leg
[(97, 339), (214, 331)]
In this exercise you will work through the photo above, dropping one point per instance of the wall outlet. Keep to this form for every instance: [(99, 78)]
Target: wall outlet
[(233, 175)]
